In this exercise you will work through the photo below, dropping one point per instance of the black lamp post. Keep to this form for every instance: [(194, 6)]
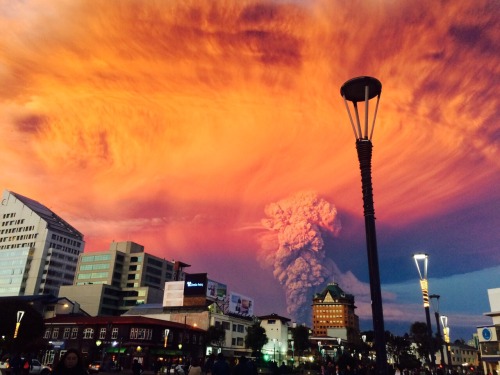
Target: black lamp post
[(362, 89), (424, 285), (435, 307)]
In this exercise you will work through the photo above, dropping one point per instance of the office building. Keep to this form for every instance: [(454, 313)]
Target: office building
[(112, 281), (39, 250)]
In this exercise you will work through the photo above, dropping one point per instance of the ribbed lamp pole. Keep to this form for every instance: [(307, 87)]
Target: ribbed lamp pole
[(424, 285), (356, 90)]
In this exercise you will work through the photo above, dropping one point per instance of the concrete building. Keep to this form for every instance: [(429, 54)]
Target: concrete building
[(277, 331), (489, 345), (112, 281), (333, 312), (39, 250)]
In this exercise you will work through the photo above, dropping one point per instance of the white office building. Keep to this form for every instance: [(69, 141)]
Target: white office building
[(38, 249)]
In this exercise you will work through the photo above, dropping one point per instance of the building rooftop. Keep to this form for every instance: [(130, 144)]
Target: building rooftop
[(54, 222), (335, 292)]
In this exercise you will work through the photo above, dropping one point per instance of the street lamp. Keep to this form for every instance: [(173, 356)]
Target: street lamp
[(363, 89), (435, 307), (446, 334), (279, 352), (274, 350), (20, 315), (319, 350), (165, 337), (293, 353), (424, 285)]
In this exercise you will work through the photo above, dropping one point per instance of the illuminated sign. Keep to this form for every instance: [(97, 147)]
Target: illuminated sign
[(195, 284)]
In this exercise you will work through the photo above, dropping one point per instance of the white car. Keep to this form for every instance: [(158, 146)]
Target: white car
[(36, 368)]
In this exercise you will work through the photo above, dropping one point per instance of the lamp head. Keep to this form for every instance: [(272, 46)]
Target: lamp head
[(361, 89), (354, 89)]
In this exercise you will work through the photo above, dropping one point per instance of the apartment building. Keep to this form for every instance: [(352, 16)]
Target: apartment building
[(39, 250)]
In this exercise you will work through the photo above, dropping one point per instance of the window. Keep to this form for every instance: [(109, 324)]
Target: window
[(114, 334), (55, 333), (74, 333), (66, 333), (102, 333), (88, 333), (47, 334)]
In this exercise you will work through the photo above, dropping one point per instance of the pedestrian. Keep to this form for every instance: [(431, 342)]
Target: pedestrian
[(16, 364), (195, 368), (70, 364), (136, 367), (179, 370), (209, 364), (221, 367)]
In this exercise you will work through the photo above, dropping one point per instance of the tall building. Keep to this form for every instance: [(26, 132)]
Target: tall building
[(333, 310), (39, 250), (112, 281)]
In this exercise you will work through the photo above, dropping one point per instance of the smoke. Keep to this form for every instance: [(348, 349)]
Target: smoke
[(295, 247)]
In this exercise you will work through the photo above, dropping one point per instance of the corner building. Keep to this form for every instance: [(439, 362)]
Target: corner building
[(334, 309), (38, 249)]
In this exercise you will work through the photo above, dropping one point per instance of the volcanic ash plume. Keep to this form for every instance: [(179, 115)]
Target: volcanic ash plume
[(298, 258)]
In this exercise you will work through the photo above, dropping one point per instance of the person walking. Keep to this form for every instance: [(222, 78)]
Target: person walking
[(136, 367), (70, 364), (221, 367)]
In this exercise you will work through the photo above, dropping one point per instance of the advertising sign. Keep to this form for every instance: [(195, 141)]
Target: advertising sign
[(174, 293), (239, 304), (216, 291), (195, 284)]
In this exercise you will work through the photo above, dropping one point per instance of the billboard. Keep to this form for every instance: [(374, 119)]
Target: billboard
[(239, 304), (195, 284), (174, 293), (216, 291)]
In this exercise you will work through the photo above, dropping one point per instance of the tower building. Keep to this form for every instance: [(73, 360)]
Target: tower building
[(333, 309), (39, 250)]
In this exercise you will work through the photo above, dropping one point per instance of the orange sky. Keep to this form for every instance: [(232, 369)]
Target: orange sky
[(174, 123)]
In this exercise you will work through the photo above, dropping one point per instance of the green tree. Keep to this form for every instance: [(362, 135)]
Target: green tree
[(418, 333), (216, 335), (256, 338), (300, 335)]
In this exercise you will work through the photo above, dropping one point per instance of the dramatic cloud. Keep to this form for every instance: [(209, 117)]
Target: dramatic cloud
[(174, 123)]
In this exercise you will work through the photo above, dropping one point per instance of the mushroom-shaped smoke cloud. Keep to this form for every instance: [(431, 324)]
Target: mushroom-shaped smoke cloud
[(295, 248)]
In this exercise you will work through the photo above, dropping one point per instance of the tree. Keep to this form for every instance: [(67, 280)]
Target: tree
[(300, 335), (216, 335), (419, 335), (399, 347), (256, 338)]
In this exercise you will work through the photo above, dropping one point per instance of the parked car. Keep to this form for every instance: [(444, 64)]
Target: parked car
[(36, 367), (94, 367)]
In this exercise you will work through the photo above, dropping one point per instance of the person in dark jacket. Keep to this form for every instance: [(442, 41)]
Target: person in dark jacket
[(221, 367), (70, 364), (136, 368)]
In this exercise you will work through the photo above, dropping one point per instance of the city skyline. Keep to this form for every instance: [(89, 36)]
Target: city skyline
[(215, 134)]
